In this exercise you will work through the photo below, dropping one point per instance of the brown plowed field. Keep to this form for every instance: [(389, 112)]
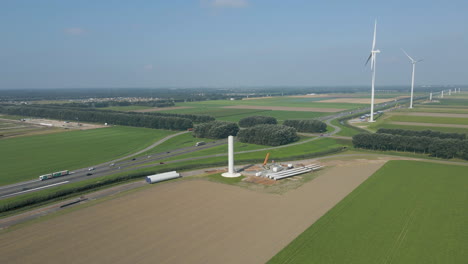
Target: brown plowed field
[(286, 108), (185, 222), (155, 109)]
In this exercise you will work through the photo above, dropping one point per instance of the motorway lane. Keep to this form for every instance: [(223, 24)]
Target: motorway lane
[(128, 165), (100, 170)]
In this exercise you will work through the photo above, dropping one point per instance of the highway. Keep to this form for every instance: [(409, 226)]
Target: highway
[(125, 164)]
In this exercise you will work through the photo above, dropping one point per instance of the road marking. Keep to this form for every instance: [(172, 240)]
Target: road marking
[(17, 184), (35, 189)]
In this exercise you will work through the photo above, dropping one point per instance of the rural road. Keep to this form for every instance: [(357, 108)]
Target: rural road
[(123, 165)]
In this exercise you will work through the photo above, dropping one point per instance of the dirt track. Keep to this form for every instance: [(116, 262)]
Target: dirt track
[(285, 108), (427, 124), (185, 222)]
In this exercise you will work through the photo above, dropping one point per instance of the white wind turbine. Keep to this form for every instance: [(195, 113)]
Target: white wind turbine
[(412, 76), (372, 58)]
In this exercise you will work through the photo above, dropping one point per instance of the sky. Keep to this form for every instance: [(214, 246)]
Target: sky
[(229, 43)]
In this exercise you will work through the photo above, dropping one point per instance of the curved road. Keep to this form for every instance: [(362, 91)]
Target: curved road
[(142, 162)]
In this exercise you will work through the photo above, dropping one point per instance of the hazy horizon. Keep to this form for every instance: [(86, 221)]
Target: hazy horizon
[(229, 43)]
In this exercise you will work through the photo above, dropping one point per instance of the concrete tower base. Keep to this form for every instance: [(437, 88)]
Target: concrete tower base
[(230, 175)]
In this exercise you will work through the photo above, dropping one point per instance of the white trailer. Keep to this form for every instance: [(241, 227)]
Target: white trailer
[(162, 177)]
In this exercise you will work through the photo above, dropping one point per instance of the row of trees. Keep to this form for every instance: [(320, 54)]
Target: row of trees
[(423, 133), (111, 117), (311, 126), (257, 120), (153, 103), (194, 118), (438, 147), (215, 130), (270, 135)]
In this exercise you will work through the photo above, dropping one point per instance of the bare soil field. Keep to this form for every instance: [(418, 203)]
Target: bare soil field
[(194, 221), (434, 114), (358, 100), (427, 124), (62, 124), (286, 108), (155, 109)]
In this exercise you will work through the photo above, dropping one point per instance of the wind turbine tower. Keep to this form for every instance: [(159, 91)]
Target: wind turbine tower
[(412, 76), (372, 58)]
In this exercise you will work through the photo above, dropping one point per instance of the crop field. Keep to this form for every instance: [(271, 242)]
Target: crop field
[(274, 101), (409, 126), (234, 115), (407, 212), (314, 146), (428, 119), (25, 158), (188, 221), (13, 128), (427, 109), (452, 102)]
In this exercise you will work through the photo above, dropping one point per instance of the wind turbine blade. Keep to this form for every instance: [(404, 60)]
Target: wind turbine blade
[(375, 33), (408, 55), (420, 60), (368, 59)]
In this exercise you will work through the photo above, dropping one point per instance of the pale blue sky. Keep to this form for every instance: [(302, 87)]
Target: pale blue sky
[(221, 43)]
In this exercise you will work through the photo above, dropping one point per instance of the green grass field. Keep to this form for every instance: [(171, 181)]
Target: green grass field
[(234, 115), (425, 109), (407, 212), (428, 119), (319, 145), (26, 158), (419, 128), (275, 101), (345, 131)]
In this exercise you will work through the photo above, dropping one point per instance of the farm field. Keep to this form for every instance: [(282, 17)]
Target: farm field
[(424, 109), (25, 158), (407, 212), (409, 126), (428, 119), (228, 222), (234, 115), (14, 128), (273, 101), (275, 154)]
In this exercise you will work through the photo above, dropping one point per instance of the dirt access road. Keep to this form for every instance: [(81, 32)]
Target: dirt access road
[(185, 222)]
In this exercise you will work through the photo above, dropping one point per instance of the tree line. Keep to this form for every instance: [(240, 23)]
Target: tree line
[(423, 133), (437, 147), (257, 120), (215, 130), (152, 103), (111, 117), (311, 126), (267, 134)]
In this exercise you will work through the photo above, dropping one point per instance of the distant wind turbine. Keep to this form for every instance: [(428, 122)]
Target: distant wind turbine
[(372, 58), (412, 75)]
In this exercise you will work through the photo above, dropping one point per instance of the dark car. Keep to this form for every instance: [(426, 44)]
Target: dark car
[(89, 174), (133, 159)]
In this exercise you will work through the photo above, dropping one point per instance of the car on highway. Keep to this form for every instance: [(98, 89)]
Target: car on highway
[(92, 168), (89, 174)]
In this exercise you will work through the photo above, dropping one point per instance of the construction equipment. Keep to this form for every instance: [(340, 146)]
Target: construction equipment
[(266, 160)]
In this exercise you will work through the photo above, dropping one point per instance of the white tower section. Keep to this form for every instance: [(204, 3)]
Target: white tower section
[(231, 173), (430, 97)]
